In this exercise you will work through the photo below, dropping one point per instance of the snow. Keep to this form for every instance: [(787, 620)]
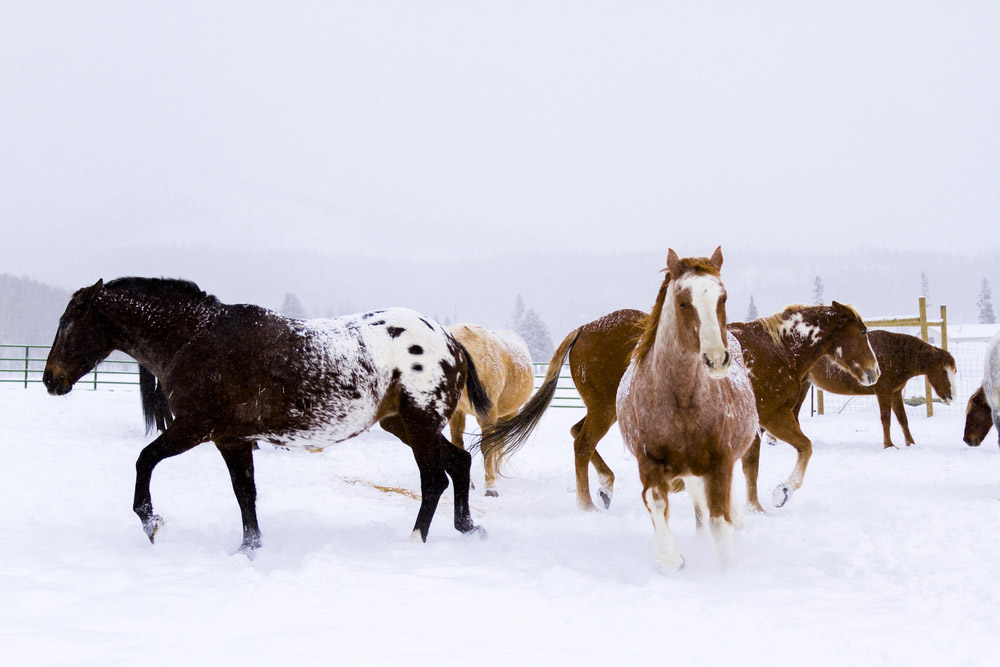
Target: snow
[(883, 556)]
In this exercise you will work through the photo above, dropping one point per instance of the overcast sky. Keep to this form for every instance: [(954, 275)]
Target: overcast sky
[(409, 129)]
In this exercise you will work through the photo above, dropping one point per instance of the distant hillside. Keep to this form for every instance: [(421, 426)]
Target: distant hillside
[(29, 310)]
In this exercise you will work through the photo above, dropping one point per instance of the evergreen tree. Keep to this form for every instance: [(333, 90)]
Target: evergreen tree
[(527, 324), (752, 310), (985, 304), (818, 291), (292, 307)]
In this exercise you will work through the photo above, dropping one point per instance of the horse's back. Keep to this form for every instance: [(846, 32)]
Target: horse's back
[(503, 364)]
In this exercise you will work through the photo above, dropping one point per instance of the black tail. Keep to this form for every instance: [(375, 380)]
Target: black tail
[(507, 436), (154, 404), (480, 400)]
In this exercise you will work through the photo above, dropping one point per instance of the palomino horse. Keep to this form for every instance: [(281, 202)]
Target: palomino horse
[(685, 404), (234, 374), (984, 405), (779, 350), (503, 363), (900, 357)]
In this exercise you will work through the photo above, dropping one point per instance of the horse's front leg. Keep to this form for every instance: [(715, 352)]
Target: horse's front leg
[(238, 455), (177, 439)]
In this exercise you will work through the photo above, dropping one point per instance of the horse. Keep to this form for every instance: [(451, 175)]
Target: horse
[(503, 363), (685, 404), (983, 409), (900, 357), (235, 374), (779, 350)]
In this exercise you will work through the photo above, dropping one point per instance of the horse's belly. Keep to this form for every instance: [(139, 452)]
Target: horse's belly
[(325, 427)]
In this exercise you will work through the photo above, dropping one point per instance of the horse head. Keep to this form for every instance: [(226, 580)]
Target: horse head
[(851, 349), (699, 303), (83, 339), (941, 375), (978, 419)]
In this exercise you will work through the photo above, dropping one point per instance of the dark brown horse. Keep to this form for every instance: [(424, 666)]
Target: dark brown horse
[(779, 350), (685, 404), (235, 374), (900, 357)]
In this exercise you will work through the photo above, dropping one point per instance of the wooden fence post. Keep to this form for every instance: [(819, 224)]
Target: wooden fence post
[(923, 336)]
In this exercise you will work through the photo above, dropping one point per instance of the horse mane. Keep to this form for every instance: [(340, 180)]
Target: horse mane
[(771, 324), (648, 325), (172, 287)]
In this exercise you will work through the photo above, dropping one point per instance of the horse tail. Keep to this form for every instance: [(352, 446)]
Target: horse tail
[(155, 410), (507, 436), (147, 391), (480, 400)]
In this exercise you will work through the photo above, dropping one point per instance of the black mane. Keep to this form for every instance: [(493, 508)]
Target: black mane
[(163, 287)]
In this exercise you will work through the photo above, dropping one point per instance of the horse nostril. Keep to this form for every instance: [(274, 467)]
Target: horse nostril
[(727, 359)]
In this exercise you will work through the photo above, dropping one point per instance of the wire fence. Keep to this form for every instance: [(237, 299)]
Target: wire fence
[(24, 364)]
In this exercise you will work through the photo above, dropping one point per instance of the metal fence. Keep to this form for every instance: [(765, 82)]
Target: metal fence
[(24, 364)]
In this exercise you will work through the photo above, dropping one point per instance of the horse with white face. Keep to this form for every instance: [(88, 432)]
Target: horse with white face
[(685, 405)]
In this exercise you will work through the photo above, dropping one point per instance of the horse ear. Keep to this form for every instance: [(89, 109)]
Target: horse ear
[(95, 289), (672, 261), (717, 258), (838, 306)]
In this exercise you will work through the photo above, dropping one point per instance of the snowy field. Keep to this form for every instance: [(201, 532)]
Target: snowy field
[(883, 557)]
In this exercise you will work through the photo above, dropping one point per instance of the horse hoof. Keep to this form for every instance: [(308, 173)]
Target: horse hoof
[(781, 495), (672, 567), (417, 536), (152, 526), (755, 508), (606, 497), (477, 531), (492, 493)]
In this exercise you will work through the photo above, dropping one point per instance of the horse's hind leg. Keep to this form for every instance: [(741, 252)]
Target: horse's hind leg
[(586, 434), (457, 463), (238, 455), (423, 439), (751, 467), (900, 410), (177, 439), (786, 427)]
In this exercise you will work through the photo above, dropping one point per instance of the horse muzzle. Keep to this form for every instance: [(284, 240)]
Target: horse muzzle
[(972, 441), (56, 384), (717, 368), (870, 376)]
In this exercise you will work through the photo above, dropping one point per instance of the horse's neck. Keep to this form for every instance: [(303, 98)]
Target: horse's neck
[(806, 341), (153, 331)]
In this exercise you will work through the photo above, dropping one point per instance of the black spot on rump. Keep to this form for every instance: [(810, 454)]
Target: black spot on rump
[(396, 373), (378, 324), (417, 367), (416, 349), (394, 331)]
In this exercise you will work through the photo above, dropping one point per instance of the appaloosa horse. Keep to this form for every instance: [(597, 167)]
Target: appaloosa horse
[(779, 350), (900, 357), (685, 404), (983, 410), (235, 374), (503, 363)]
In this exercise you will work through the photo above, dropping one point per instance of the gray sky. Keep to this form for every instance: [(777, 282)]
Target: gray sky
[(412, 129)]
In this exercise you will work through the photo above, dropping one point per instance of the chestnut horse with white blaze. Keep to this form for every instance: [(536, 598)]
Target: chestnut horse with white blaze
[(779, 350), (503, 363), (685, 404)]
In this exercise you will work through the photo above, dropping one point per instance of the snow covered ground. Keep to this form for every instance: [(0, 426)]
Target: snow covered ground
[(883, 557)]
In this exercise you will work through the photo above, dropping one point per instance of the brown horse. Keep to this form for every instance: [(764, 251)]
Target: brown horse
[(900, 357), (779, 350), (685, 404), (504, 366)]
